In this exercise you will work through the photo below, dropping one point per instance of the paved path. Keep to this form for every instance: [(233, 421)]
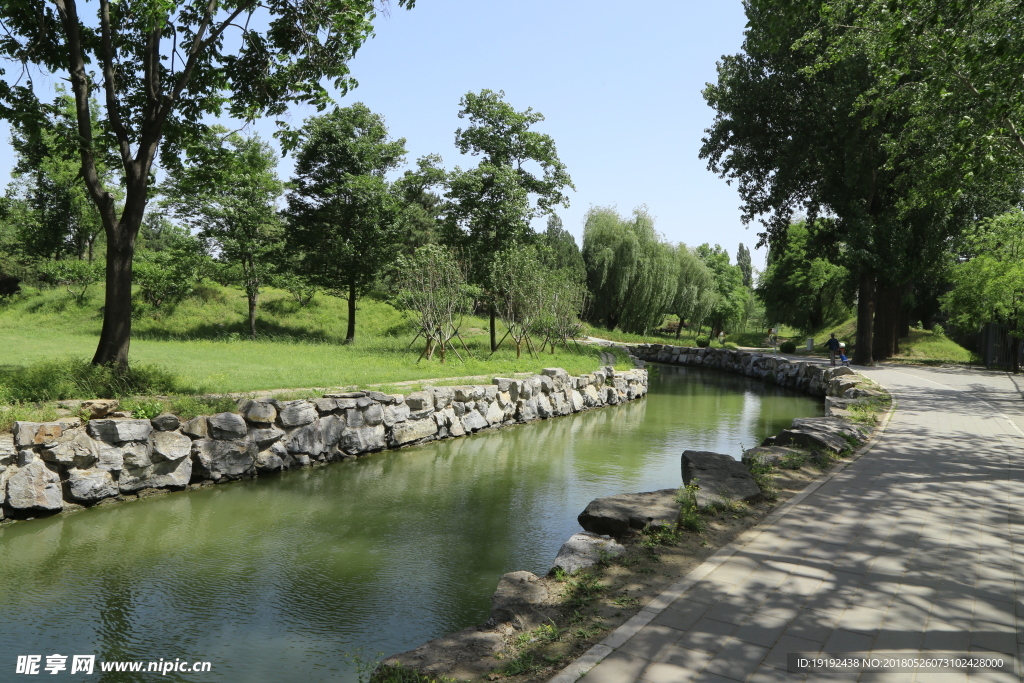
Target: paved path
[(914, 548)]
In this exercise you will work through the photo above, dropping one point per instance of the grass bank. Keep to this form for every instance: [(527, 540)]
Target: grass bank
[(201, 346)]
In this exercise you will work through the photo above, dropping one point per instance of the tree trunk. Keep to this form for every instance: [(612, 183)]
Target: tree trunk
[(116, 333), (350, 334), (881, 339), (494, 329), (865, 319), (253, 297), (1015, 354)]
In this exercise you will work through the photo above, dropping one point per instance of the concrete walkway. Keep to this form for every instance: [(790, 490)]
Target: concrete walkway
[(913, 549)]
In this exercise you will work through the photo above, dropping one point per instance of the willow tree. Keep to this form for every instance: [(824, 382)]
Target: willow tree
[(695, 295), (631, 270), (160, 69)]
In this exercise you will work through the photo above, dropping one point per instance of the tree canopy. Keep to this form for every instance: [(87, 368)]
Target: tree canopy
[(161, 68)]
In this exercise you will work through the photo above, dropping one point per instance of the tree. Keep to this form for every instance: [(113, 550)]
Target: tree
[(988, 281), (631, 272), (744, 264), (163, 67), (730, 302), (228, 192), (799, 289), (695, 295), (518, 292), (563, 300), (808, 128), (432, 285), (519, 178), (561, 251), (344, 218)]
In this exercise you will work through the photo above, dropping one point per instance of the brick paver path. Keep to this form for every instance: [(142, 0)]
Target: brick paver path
[(914, 548)]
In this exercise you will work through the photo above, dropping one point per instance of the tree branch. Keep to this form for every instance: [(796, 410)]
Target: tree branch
[(120, 130)]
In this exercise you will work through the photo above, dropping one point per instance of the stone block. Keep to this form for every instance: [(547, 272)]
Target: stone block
[(363, 439), (585, 550), (165, 422), (34, 487), (473, 421), (214, 459), (78, 451), (35, 433), (413, 430), (170, 446), (100, 407), (517, 600), (90, 485), (115, 431), (721, 478), (297, 413), (615, 515)]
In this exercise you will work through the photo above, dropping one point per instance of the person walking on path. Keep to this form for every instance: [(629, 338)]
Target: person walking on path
[(833, 347)]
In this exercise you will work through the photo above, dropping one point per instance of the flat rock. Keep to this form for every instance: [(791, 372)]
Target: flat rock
[(615, 515), (585, 550), (35, 433), (468, 653), (518, 599), (413, 430), (114, 431), (297, 413), (773, 455), (720, 478), (831, 434)]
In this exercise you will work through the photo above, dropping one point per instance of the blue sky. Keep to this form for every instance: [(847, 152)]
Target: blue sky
[(618, 83)]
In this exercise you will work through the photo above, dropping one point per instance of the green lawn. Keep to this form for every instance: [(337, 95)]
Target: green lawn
[(203, 343)]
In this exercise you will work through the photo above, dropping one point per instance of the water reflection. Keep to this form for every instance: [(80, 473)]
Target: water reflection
[(279, 578)]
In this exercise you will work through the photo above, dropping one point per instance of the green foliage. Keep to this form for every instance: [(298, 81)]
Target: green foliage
[(490, 206), (143, 409), (661, 535), (988, 284), (432, 285), (632, 274), (26, 412), (344, 217), (74, 275), (167, 276), (562, 252), (188, 407), (703, 342), (728, 306), (176, 64), (762, 472), (793, 461), (689, 514), (801, 290), (77, 378), (787, 347), (695, 295), (228, 192)]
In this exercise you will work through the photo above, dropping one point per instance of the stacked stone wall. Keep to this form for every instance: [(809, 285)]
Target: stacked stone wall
[(811, 378), (66, 464)]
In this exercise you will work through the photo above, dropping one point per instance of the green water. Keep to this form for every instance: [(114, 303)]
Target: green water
[(277, 579)]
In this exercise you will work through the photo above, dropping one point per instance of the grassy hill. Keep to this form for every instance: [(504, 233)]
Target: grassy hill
[(203, 344)]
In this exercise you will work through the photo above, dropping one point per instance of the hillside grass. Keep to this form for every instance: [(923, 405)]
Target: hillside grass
[(202, 346)]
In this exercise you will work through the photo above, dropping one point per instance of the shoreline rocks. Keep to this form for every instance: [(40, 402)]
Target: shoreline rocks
[(49, 466)]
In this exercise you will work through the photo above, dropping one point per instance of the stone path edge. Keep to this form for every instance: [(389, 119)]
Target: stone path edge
[(596, 654)]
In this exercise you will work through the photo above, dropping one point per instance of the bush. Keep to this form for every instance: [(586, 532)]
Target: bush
[(938, 330), (57, 380), (787, 347), (703, 342)]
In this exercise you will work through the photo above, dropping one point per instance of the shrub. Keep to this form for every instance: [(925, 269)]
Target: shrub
[(703, 342), (938, 330), (787, 347), (56, 380)]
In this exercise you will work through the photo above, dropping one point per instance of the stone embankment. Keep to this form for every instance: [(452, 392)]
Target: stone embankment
[(71, 463), (524, 600)]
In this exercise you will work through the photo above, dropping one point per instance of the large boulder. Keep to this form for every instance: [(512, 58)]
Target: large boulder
[(77, 451), (34, 487), (308, 439), (170, 446), (35, 433), (585, 550), (473, 421), (464, 655), (115, 431), (215, 459), (91, 485), (831, 434), (297, 413), (413, 430), (363, 439), (518, 600), (226, 426), (720, 478), (615, 515), (101, 407), (165, 422), (159, 475)]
